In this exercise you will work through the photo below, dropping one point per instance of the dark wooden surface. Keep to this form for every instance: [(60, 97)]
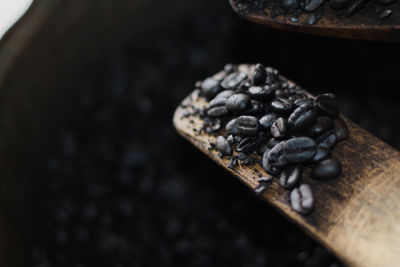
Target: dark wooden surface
[(356, 216)]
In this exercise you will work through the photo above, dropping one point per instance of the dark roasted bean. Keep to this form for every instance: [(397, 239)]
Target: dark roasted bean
[(259, 75), (210, 87), (224, 94), (326, 104), (238, 102), (250, 143), (321, 125), (302, 199), (279, 128), (291, 176), (313, 18), (267, 120), (312, 5), (327, 169), (256, 108), (246, 159), (281, 93), (386, 13), (223, 146), (282, 105), (322, 153), (355, 7), (327, 139), (263, 184), (339, 4), (289, 5), (232, 127), (261, 93), (276, 156), (341, 129), (233, 80), (233, 163), (247, 125), (302, 101), (299, 149), (273, 142), (301, 117), (217, 108), (230, 139), (271, 169)]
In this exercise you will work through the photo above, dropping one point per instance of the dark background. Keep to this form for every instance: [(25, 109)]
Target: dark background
[(119, 186)]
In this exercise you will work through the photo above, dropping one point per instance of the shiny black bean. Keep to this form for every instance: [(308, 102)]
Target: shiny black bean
[(249, 144), (230, 139), (327, 169), (232, 127), (261, 93), (322, 153), (256, 108), (327, 139), (302, 199), (281, 93), (266, 121), (279, 128), (263, 184), (301, 117), (275, 156), (341, 129), (233, 80), (210, 88), (224, 94), (223, 146), (217, 108), (291, 176), (247, 125), (312, 5), (299, 149), (320, 126), (259, 75), (282, 105), (238, 102), (326, 104)]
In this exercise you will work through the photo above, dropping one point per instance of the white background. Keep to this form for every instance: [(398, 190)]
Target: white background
[(10, 12)]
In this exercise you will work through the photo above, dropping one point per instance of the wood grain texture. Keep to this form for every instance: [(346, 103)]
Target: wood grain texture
[(362, 25), (356, 216)]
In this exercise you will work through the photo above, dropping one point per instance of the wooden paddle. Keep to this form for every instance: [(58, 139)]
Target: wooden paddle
[(365, 24), (356, 216)]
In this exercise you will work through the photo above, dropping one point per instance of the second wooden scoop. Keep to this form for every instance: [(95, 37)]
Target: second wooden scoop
[(356, 216)]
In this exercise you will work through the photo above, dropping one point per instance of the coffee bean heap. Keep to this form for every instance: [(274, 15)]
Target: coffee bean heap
[(263, 114)]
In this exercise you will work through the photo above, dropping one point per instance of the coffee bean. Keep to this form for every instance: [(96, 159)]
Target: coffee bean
[(263, 184), (312, 5), (230, 139), (289, 5), (223, 146), (282, 105), (313, 18), (248, 144), (279, 128), (271, 169), (281, 93), (246, 159), (256, 108), (301, 101), (322, 153), (261, 93), (233, 80), (302, 199), (291, 176), (233, 163), (276, 156), (210, 87), (327, 169), (326, 104), (232, 127), (259, 75), (217, 108), (238, 102), (273, 142), (247, 125), (355, 7), (224, 94), (386, 13), (341, 129), (327, 139), (266, 121), (301, 117), (321, 125), (299, 149)]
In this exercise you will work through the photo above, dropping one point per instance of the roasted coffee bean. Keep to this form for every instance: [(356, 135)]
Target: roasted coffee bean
[(386, 13), (233, 162), (256, 108), (233, 80), (263, 184), (259, 75), (289, 5), (291, 176), (301, 117), (224, 94), (210, 87), (273, 142), (313, 18), (322, 153), (248, 144), (232, 127), (266, 121), (238, 102), (276, 156), (327, 139), (355, 7), (299, 149), (327, 169), (261, 93), (321, 125), (230, 139), (301, 101), (282, 105), (271, 169), (341, 129), (246, 159), (302, 199), (326, 104), (217, 108), (312, 5), (339, 4), (223, 146), (247, 125), (281, 93), (279, 128)]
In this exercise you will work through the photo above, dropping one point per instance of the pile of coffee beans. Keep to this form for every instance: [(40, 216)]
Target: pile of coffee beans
[(315, 8), (260, 114)]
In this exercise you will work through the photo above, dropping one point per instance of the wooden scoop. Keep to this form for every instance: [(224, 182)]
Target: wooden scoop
[(365, 24), (356, 216)]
